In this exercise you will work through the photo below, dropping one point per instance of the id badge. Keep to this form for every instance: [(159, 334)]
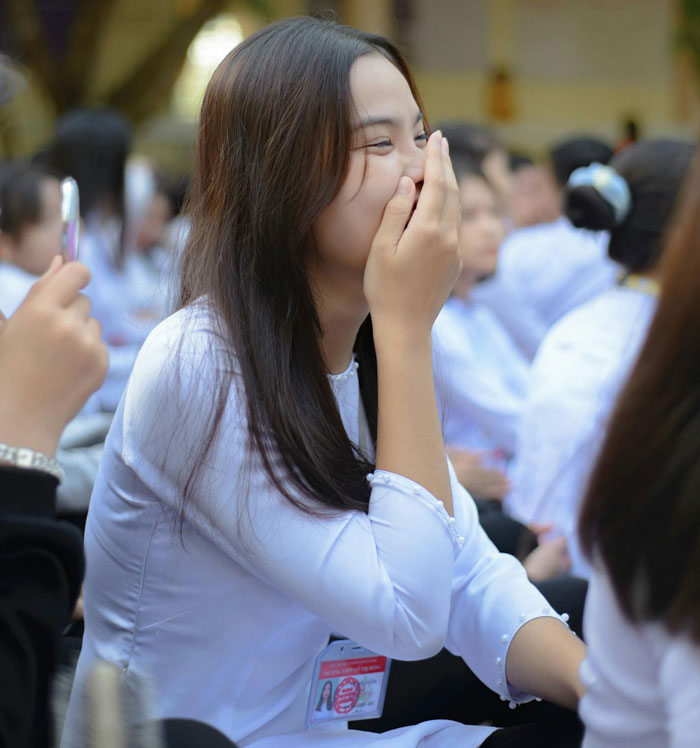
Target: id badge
[(349, 683)]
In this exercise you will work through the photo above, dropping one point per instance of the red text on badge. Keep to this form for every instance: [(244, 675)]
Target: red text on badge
[(356, 666)]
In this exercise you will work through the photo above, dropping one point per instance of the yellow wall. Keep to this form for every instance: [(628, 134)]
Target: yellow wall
[(576, 65)]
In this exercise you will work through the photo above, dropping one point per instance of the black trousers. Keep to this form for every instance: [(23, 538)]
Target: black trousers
[(537, 736), (188, 733)]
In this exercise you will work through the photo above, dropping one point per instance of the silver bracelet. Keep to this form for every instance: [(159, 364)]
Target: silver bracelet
[(28, 459)]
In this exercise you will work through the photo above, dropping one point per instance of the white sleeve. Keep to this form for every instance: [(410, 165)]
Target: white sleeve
[(463, 387), (381, 578), (680, 688), (491, 599)]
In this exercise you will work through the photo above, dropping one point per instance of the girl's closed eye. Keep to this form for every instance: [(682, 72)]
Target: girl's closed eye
[(380, 144), (421, 138)]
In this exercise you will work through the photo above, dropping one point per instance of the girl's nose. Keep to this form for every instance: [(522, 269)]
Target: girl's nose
[(415, 166)]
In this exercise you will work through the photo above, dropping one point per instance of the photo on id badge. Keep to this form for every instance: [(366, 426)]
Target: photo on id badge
[(349, 683)]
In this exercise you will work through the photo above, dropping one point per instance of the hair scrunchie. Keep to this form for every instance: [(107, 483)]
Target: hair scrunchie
[(608, 183)]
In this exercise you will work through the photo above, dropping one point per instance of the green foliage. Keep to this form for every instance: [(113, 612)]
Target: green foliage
[(262, 8), (688, 37)]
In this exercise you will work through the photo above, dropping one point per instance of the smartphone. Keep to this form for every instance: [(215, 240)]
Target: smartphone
[(70, 216)]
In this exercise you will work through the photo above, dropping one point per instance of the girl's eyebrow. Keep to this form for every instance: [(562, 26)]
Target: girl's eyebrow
[(387, 121)]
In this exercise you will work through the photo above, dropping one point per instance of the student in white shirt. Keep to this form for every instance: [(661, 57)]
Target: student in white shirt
[(482, 377), (30, 229), (548, 269), (92, 146), (586, 356), (30, 238), (275, 470), (640, 526)]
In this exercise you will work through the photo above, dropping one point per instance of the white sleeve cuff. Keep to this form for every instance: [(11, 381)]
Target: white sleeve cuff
[(409, 487), (507, 692)]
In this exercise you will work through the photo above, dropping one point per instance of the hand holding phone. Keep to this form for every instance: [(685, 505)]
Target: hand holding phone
[(70, 216)]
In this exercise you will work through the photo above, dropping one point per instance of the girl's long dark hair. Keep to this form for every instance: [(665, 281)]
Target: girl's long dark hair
[(642, 509), (273, 147)]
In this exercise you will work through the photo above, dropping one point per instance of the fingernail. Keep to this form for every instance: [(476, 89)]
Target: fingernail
[(405, 186), (437, 135), (445, 147)]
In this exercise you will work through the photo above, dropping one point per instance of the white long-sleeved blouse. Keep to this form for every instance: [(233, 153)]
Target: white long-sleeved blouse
[(227, 611), (642, 683), (481, 377), (545, 271), (574, 382)]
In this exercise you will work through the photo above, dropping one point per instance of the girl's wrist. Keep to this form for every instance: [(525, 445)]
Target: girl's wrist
[(18, 431), (400, 340)]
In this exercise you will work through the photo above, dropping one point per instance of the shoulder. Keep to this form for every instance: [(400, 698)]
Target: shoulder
[(180, 363), (530, 236), (15, 284), (583, 323), (183, 382)]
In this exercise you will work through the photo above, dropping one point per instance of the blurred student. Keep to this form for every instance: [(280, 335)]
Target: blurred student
[(482, 379), (276, 469), (486, 150), (586, 356), (534, 196), (640, 526), (150, 262), (92, 147), (30, 238), (482, 376), (30, 229), (548, 269)]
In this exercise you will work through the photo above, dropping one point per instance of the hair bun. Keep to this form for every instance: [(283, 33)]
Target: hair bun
[(597, 198), (586, 208)]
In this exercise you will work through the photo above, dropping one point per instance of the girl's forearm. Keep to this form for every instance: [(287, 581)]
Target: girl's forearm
[(409, 435), (544, 659)]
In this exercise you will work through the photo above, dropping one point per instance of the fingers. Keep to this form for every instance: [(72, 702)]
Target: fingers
[(396, 214), (451, 208), (94, 335), (64, 284), (54, 266), (432, 196), (80, 307)]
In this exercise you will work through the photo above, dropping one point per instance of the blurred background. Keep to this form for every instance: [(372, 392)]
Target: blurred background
[(534, 70)]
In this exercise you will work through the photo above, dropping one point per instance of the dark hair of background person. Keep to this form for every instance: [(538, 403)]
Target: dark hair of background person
[(519, 161), (273, 147), (465, 166), (654, 171), (20, 196), (573, 153), (642, 508), (92, 147), (474, 141)]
